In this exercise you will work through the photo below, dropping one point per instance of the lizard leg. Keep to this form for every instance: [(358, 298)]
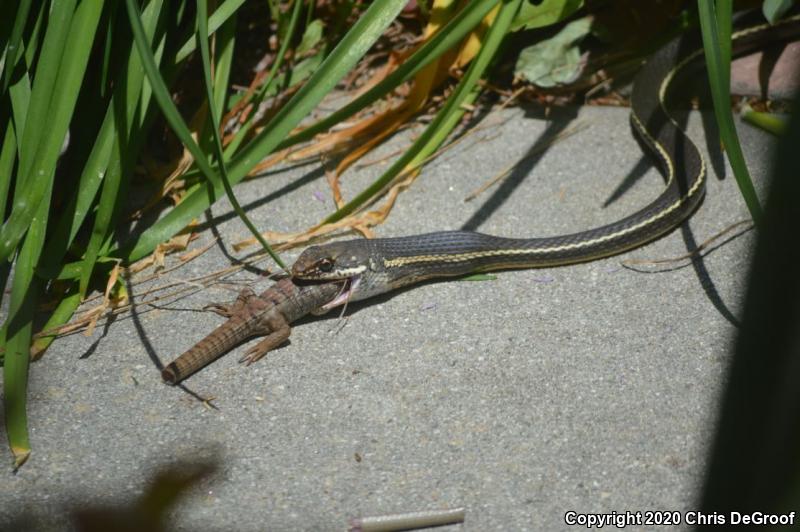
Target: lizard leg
[(270, 342), (229, 309)]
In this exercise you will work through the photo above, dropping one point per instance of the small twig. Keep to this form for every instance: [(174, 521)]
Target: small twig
[(386, 157), (408, 521), (192, 255), (506, 171), (186, 285), (630, 263)]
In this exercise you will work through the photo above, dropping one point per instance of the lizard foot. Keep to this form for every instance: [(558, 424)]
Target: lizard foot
[(227, 310), (273, 340)]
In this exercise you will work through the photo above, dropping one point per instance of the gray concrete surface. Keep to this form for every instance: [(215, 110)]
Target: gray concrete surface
[(588, 388)]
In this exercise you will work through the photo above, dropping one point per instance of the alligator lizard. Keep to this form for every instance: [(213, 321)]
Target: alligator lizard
[(269, 313)]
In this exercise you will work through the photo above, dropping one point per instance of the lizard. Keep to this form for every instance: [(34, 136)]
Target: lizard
[(269, 314)]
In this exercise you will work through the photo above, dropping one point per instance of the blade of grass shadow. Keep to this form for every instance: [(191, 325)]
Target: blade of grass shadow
[(716, 30), (343, 58)]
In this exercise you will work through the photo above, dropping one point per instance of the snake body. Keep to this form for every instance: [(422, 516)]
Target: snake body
[(375, 266)]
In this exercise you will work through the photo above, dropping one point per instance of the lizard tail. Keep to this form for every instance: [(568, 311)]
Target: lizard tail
[(217, 343)]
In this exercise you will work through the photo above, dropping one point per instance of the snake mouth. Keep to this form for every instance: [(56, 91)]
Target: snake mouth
[(346, 294)]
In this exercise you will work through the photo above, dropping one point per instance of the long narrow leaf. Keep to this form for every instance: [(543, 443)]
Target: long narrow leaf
[(718, 63), (8, 153), (105, 209), (215, 112), (20, 96), (14, 45), (61, 315), (16, 336), (51, 57), (224, 12)]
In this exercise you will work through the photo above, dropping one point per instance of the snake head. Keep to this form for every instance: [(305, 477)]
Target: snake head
[(336, 260), (348, 260)]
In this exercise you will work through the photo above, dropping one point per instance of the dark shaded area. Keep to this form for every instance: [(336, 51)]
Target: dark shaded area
[(220, 242), (147, 512), (706, 282), (769, 60), (755, 462), (636, 173), (137, 323)]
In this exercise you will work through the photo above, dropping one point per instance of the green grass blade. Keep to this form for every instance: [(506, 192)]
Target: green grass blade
[(13, 47), (42, 93), (445, 120), (224, 12), (16, 335), (61, 315), (105, 211), (35, 177), (19, 95), (110, 31), (32, 44), (97, 163), (7, 157), (263, 91), (343, 58), (8, 153), (162, 96), (215, 112), (225, 44), (715, 25)]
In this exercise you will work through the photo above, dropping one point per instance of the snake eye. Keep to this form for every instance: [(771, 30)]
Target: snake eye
[(325, 265)]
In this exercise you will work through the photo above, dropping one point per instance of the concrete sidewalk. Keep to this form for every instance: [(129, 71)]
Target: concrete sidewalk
[(589, 388)]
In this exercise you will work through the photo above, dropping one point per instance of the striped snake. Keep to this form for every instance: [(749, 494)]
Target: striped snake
[(376, 266)]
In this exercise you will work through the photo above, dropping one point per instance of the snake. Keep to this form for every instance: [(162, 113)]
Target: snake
[(375, 266)]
